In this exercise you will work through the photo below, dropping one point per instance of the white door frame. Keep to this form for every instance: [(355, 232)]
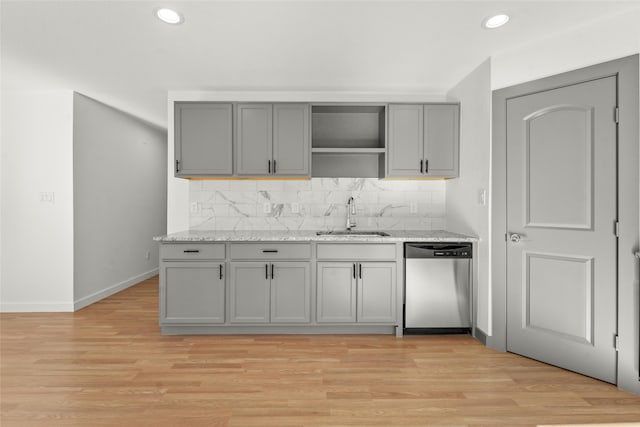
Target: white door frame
[(628, 207)]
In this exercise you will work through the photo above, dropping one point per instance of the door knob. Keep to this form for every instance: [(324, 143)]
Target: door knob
[(515, 237)]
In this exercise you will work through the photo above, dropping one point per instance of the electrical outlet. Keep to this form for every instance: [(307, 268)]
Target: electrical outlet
[(195, 207), (413, 207), (295, 208), (148, 255), (266, 208)]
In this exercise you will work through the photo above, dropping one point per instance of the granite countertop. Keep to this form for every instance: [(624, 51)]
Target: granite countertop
[(311, 236)]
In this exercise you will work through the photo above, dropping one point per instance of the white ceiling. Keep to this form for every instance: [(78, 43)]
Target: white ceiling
[(119, 51)]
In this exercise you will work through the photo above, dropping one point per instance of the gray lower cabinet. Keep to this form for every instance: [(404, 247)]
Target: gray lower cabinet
[(203, 139), (270, 292), (361, 292), (376, 292), (273, 140), (423, 140), (336, 292), (192, 292)]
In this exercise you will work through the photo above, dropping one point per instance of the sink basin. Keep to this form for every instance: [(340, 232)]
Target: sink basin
[(353, 233)]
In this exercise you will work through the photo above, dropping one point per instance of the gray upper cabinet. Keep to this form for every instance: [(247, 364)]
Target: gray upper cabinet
[(423, 140), (291, 139), (406, 141), (255, 136), (203, 139), (273, 140), (441, 140)]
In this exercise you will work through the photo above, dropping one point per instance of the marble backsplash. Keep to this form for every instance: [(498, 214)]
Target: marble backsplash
[(316, 204)]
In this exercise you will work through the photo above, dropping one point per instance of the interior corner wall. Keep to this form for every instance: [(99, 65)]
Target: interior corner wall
[(465, 212), (37, 200), (120, 185)]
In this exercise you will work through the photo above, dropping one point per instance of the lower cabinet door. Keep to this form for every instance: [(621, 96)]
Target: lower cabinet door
[(250, 292), (192, 292), (290, 293), (336, 293), (377, 292)]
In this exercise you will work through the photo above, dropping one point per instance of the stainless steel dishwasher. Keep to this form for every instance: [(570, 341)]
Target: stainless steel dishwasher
[(437, 294)]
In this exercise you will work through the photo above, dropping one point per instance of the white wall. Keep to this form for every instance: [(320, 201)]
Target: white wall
[(37, 237), (465, 213), (601, 41), (37, 245), (119, 168)]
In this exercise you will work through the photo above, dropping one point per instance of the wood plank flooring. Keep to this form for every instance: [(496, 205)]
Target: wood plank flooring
[(108, 365)]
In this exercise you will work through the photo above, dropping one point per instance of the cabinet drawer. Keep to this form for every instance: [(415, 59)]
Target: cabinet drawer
[(270, 251), (192, 251), (357, 251)]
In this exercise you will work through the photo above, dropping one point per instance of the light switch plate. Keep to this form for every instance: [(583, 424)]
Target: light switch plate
[(482, 197), (266, 208), (413, 207), (295, 208), (47, 197)]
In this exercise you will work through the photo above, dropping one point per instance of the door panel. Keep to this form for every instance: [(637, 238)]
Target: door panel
[(561, 200), (559, 140), (406, 143), (336, 297), (290, 292), (377, 292), (203, 138), (291, 139), (249, 292), (441, 128), (254, 139), (570, 312)]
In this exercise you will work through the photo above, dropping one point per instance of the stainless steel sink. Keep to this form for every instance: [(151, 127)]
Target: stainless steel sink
[(353, 233)]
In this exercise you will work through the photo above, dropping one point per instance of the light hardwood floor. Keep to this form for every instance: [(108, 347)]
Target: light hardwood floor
[(108, 365)]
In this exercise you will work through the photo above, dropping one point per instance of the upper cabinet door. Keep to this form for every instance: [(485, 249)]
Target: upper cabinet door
[(406, 146), (291, 140), (254, 141), (203, 139), (441, 140)]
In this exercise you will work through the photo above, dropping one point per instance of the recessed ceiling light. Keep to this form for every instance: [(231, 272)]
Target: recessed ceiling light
[(169, 16), (495, 21)]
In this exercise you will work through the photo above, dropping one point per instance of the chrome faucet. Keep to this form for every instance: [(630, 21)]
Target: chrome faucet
[(351, 212)]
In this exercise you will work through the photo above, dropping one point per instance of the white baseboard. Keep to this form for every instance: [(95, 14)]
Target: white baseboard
[(95, 297), (35, 307)]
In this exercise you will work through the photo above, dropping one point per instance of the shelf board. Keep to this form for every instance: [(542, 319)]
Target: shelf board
[(331, 150)]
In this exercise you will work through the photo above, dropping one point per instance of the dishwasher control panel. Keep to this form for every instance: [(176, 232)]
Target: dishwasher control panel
[(438, 250)]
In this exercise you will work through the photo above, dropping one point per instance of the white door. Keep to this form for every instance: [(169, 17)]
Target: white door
[(561, 206)]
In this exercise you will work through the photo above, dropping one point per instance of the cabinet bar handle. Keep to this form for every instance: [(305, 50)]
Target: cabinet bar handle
[(274, 165), (272, 271), (360, 271), (270, 251), (266, 271), (426, 166), (420, 166), (177, 166), (354, 270), (220, 271), (269, 166), (191, 251)]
